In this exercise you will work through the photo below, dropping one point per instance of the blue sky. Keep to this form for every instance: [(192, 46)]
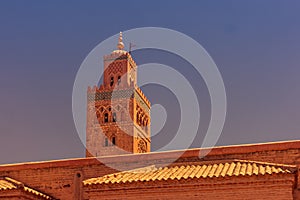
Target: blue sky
[(255, 44)]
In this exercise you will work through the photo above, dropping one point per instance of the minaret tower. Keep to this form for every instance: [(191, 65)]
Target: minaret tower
[(118, 113)]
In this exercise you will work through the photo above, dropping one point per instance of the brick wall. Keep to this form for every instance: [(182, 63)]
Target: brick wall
[(18, 195), (246, 188), (62, 179)]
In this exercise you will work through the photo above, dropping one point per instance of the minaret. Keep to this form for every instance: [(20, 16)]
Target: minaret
[(118, 113)]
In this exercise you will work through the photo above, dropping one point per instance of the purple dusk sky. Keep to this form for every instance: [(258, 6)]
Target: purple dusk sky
[(255, 44)]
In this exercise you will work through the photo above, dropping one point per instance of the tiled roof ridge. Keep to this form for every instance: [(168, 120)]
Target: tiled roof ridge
[(219, 161), (142, 169), (222, 161), (12, 184), (289, 167), (212, 170)]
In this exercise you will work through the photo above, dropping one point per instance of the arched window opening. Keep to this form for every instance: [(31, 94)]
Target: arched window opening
[(141, 120), (119, 80), (113, 140), (111, 81), (105, 117), (98, 114), (114, 119), (106, 142)]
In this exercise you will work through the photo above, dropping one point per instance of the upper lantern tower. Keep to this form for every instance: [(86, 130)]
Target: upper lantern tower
[(119, 64), (118, 113)]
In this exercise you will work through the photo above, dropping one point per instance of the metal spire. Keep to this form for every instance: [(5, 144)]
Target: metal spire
[(120, 43)]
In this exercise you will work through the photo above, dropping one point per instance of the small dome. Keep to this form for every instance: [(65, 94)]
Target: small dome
[(120, 51)]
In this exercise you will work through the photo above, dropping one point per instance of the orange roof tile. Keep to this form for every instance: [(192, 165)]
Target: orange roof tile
[(7, 183), (232, 168)]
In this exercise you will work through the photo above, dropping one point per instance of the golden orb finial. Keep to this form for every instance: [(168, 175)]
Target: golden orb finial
[(120, 43)]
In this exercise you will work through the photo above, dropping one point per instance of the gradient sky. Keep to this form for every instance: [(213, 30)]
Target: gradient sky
[(255, 44)]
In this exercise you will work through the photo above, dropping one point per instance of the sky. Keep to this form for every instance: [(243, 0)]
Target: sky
[(255, 45)]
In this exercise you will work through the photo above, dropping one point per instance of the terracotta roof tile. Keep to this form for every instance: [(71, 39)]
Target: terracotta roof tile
[(232, 168), (7, 183)]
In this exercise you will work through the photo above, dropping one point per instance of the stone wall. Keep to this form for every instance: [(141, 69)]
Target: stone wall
[(241, 187), (63, 179)]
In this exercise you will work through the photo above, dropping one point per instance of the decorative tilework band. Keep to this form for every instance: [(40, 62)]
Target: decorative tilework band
[(118, 94)]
